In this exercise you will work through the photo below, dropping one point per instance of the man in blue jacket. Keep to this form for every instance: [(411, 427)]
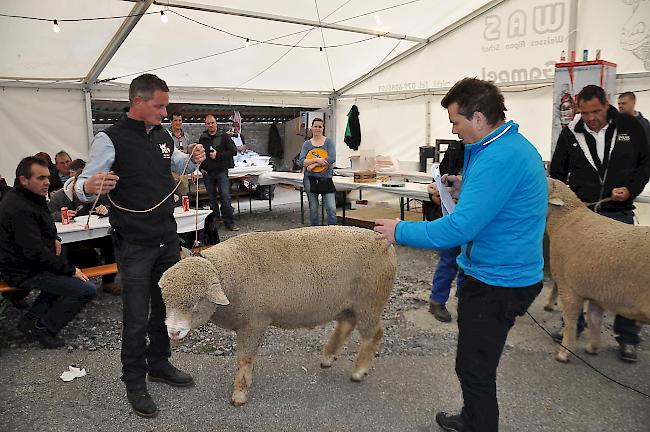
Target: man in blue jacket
[(499, 224)]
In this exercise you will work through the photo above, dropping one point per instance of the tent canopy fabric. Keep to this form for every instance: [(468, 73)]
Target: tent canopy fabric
[(197, 48)]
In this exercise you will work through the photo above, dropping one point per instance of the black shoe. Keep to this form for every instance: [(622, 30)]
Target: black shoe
[(141, 402), (558, 335), (627, 352), (439, 311), (32, 328), (450, 423), (168, 374)]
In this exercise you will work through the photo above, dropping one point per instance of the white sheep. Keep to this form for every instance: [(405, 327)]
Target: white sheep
[(597, 259), (289, 279)]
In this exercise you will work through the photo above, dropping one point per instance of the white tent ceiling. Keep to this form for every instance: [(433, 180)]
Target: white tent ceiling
[(209, 49)]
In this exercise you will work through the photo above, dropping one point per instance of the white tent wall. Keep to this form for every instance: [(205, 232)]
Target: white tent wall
[(516, 42), (41, 119)]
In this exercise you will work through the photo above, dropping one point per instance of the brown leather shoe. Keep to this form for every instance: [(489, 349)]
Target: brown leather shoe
[(112, 288)]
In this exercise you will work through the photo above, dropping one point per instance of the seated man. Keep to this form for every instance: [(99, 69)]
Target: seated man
[(30, 257)]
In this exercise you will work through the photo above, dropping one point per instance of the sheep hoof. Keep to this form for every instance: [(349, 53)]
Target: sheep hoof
[(238, 399), (562, 357), (591, 350), (358, 376), (549, 308), (327, 362)]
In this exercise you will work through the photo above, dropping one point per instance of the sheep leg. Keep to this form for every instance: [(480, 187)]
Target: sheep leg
[(344, 326), (552, 298), (572, 308), (594, 322), (371, 336), (248, 340)]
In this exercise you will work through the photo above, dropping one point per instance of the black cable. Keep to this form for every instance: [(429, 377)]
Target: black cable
[(289, 50), (77, 19), (587, 363), (268, 41)]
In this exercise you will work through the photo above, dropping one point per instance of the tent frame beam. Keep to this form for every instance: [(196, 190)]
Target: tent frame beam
[(118, 39), (450, 28), (280, 18)]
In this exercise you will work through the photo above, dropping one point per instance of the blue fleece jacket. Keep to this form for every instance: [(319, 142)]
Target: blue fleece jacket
[(501, 213)]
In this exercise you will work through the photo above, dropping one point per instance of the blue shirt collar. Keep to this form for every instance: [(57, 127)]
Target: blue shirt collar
[(497, 133)]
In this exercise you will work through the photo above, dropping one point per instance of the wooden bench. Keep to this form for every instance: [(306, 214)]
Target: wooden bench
[(91, 272)]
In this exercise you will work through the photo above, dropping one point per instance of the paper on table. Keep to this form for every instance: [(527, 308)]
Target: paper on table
[(72, 373), (446, 201)]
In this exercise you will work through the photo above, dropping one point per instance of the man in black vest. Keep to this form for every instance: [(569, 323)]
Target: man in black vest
[(605, 155), (133, 160)]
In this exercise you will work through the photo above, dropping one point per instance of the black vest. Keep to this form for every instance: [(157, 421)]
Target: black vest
[(143, 164)]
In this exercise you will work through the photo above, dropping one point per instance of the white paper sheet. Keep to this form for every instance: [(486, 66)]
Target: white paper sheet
[(446, 201)]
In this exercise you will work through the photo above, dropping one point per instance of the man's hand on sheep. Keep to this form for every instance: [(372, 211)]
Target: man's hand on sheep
[(433, 192), (386, 227), (620, 194), (454, 183)]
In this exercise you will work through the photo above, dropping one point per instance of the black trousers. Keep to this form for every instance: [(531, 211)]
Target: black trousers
[(140, 268), (486, 314)]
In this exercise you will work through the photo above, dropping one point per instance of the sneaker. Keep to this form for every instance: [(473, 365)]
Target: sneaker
[(627, 352), (168, 374), (232, 228), (450, 423), (141, 402), (439, 311), (112, 288), (36, 331)]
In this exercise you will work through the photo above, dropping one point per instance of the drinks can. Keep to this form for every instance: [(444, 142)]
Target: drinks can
[(585, 55), (598, 54), (186, 203), (573, 56), (65, 216)]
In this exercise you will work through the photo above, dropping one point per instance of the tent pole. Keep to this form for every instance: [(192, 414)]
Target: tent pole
[(89, 116), (118, 39), (573, 26), (279, 18)]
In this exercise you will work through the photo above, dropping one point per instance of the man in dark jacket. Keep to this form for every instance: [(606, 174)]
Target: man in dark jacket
[(446, 269), (219, 158), (604, 158), (30, 257), (133, 160)]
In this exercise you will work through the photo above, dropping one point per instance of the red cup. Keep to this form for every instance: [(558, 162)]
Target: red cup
[(65, 216), (186, 203)]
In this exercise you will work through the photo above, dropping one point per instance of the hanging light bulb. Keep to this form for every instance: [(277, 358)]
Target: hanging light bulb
[(164, 18), (56, 27), (378, 20), (320, 50), (248, 42)]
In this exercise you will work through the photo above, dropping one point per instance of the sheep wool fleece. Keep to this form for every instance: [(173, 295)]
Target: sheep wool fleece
[(501, 213)]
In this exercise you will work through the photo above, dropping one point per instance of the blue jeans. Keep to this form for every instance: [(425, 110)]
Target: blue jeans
[(329, 201), (446, 271), (219, 180), (61, 298)]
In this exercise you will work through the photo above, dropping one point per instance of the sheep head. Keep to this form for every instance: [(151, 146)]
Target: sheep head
[(192, 291)]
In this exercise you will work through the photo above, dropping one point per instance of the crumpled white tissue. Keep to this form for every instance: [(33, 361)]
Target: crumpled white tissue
[(72, 373)]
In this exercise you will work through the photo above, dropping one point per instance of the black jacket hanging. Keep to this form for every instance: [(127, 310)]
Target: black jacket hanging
[(276, 149), (353, 129)]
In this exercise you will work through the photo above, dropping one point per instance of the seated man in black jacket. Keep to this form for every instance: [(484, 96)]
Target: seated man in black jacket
[(30, 257)]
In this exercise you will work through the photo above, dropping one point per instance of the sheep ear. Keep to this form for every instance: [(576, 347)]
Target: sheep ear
[(556, 202), (217, 296)]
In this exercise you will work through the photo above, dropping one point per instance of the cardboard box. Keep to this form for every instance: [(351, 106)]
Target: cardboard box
[(366, 176)]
